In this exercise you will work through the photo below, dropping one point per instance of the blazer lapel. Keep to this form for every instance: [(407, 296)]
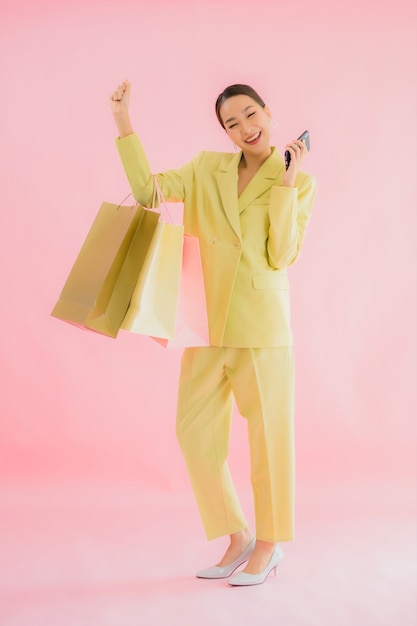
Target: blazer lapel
[(263, 180), (226, 177)]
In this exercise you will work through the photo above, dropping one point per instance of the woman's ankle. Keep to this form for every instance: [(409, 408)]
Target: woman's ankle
[(241, 537)]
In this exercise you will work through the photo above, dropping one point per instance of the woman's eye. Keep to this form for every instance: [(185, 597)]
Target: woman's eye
[(253, 113), (232, 125)]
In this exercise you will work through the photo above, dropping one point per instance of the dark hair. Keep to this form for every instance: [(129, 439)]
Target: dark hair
[(236, 90)]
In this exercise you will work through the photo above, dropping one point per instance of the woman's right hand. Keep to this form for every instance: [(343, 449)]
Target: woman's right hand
[(120, 98), (119, 103)]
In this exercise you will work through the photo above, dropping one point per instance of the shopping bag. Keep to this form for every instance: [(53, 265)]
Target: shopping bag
[(169, 303), (153, 306), (100, 284), (191, 328)]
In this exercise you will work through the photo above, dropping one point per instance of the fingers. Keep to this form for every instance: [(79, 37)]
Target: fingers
[(297, 150), (297, 146), (117, 94), (122, 90)]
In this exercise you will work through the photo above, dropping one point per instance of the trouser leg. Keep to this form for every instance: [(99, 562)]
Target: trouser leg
[(203, 429), (263, 384)]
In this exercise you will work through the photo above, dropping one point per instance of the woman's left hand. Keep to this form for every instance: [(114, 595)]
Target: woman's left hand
[(298, 151)]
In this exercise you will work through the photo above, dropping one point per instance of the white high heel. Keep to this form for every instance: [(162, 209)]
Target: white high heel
[(227, 570), (243, 578)]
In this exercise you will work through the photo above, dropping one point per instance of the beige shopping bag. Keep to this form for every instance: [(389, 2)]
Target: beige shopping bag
[(153, 307), (191, 327)]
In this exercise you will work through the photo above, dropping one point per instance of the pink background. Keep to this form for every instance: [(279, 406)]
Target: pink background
[(77, 408)]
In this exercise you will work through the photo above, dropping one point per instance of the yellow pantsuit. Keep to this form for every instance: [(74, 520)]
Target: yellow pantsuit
[(246, 243), (261, 380)]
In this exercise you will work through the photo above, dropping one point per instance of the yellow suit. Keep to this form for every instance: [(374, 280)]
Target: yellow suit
[(246, 244)]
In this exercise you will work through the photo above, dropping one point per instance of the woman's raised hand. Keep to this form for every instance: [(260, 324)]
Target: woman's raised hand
[(119, 103), (120, 98)]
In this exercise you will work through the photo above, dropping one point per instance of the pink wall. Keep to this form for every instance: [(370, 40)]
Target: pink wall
[(76, 404)]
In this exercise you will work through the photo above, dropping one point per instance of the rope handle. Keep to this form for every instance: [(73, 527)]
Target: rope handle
[(162, 205), (124, 200), (157, 193)]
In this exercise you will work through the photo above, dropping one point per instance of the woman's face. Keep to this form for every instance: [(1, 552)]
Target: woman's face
[(247, 124)]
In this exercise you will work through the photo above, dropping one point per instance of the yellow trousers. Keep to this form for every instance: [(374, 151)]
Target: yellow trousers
[(262, 383)]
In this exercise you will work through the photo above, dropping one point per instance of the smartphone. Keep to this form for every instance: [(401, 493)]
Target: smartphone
[(305, 136)]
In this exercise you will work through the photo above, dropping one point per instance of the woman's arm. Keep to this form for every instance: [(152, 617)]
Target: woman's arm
[(132, 155), (134, 159), (290, 209), (119, 102), (289, 213)]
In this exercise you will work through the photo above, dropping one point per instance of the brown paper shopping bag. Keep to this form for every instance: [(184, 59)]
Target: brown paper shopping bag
[(100, 284)]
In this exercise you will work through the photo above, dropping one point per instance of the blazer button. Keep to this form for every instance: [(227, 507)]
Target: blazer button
[(214, 240), (238, 244)]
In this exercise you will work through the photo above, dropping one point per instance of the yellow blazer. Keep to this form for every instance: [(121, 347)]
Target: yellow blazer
[(246, 242)]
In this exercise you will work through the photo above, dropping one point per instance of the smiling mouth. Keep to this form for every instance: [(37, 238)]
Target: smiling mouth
[(254, 138)]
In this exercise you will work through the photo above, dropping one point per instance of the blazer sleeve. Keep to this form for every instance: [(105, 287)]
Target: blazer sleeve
[(173, 183), (289, 213)]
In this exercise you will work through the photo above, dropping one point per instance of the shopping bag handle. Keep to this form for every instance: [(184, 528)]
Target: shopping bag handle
[(124, 200), (157, 193)]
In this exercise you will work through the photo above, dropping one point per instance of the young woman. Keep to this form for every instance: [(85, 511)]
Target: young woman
[(250, 214)]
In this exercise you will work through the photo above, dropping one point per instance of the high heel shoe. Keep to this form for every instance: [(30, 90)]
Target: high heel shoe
[(243, 578), (227, 570)]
